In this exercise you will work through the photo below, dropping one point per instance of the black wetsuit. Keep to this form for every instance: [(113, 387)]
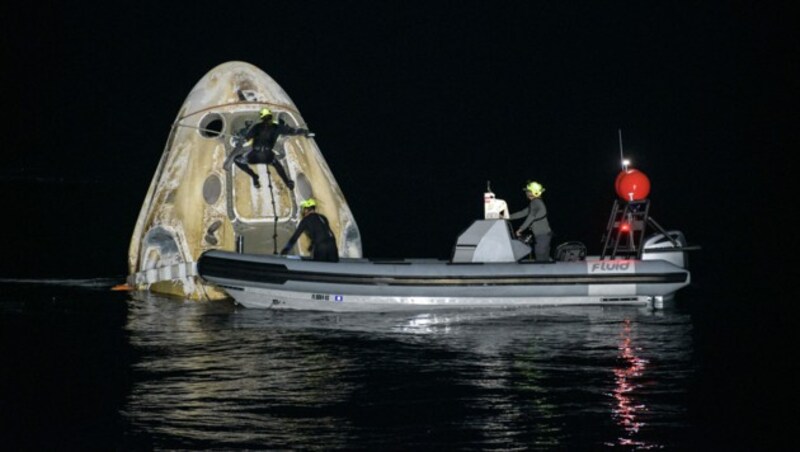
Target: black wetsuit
[(264, 135), (323, 243), (536, 219)]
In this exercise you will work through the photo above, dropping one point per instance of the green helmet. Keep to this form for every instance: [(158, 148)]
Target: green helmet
[(265, 112), (308, 203), (535, 188)]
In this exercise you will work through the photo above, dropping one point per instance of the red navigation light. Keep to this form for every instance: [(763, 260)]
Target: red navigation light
[(624, 227), (632, 185)]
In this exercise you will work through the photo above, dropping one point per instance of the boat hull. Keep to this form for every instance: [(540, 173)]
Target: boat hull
[(276, 282)]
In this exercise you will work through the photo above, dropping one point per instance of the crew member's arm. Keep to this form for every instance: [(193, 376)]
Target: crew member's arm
[(534, 210), (300, 229), (526, 212), (286, 129), (250, 135), (531, 215), (521, 214)]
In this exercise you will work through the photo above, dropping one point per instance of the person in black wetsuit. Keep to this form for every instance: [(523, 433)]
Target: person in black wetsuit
[(535, 216), (263, 135), (315, 225)]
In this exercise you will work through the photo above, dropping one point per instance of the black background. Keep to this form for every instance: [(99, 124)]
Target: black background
[(415, 106)]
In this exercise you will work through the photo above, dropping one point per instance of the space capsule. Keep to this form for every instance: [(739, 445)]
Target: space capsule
[(198, 201)]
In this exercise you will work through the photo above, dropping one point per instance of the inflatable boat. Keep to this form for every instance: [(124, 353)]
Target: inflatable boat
[(489, 268)]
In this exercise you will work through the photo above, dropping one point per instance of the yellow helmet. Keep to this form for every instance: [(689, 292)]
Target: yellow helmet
[(264, 113), (308, 203), (535, 188)]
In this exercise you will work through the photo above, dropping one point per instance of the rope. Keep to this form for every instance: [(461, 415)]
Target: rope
[(271, 104), (274, 211), (202, 129), (218, 132)]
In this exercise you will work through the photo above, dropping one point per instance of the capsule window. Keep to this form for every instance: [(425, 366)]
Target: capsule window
[(211, 125), (212, 188)]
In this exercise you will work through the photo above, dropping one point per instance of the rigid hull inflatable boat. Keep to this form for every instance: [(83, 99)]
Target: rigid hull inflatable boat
[(488, 269)]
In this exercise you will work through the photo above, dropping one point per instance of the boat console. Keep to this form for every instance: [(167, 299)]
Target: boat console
[(489, 241)]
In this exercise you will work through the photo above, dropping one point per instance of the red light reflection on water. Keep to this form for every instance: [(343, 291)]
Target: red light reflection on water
[(626, 411)]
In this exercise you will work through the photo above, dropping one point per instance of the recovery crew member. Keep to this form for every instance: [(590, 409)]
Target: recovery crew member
[(316, 226), (263, 135), (536, 219)]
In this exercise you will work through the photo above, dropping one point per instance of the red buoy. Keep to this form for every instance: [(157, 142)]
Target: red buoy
[(632, 185)]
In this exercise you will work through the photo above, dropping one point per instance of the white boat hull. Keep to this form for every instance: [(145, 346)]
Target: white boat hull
[(282, 299), (275, 282)]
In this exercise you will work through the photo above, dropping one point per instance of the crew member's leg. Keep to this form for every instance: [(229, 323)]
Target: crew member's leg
[(243, 162), (326, 251), (238, 151), (542, 247), (282, 173)]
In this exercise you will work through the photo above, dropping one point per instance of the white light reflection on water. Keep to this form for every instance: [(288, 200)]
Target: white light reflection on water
[(427, 323), (627, 411)]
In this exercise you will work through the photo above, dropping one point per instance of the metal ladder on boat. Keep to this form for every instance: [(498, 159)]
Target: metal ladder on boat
[(626, 228)]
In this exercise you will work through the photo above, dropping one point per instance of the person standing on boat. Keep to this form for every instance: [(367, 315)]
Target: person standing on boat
[(263, 136), (316, 227), (536, 219)]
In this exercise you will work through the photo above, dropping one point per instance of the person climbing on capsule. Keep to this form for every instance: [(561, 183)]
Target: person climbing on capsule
[(536, 220), (318, 230), (262, 136)]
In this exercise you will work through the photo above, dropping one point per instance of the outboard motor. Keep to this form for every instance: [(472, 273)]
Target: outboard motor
[(668, 248), (570, 252)]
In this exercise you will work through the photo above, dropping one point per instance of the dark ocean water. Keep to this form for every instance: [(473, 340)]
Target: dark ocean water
[(87, 368)]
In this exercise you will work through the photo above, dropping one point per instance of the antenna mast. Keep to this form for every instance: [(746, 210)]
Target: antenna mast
[(621, 156)]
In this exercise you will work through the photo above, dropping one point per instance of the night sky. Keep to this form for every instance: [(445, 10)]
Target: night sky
[(416, 105)]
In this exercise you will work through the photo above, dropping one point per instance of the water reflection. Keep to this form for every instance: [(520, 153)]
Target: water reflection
[(210, 376), (214, 375), (627, 410)]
